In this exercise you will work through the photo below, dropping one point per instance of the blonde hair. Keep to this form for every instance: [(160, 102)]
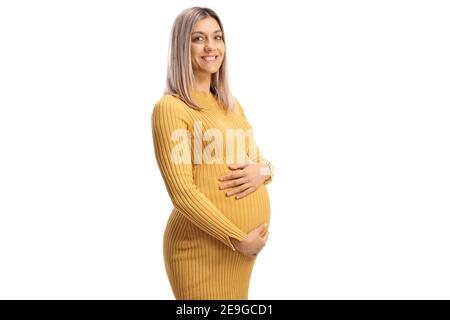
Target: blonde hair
[(180, 77)]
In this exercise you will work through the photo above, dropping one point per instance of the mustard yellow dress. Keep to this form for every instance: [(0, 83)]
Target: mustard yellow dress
[(200, 260)]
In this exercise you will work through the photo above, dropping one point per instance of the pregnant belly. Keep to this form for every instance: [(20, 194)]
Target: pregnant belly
[(246, 213)]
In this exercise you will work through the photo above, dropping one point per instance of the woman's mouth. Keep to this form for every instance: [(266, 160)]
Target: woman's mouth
[(210, 59)]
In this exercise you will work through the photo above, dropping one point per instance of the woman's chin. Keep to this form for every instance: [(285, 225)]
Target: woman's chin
[(210, 70)]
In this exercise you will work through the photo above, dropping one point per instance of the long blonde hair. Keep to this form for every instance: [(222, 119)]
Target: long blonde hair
[(180, 76)]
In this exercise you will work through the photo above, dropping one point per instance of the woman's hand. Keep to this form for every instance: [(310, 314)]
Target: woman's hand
[(254, 242), (246, 178)]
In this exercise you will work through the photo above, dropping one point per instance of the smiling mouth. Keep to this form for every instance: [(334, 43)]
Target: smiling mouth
[(210, 59)]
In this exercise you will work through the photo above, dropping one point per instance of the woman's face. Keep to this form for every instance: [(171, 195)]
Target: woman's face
[(207, 46)]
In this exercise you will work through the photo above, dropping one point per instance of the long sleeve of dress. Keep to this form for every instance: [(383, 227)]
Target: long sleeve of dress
[(167, 119), (256, 156)]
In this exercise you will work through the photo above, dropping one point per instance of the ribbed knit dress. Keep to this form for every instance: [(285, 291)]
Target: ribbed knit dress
[(200, 260)]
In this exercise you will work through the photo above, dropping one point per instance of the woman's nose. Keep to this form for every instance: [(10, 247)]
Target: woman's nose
[(209, 46)]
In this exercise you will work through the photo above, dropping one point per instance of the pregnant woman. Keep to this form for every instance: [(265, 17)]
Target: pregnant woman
[(211, 166)]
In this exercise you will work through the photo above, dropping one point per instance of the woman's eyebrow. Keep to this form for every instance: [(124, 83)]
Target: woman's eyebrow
[(204, 33)]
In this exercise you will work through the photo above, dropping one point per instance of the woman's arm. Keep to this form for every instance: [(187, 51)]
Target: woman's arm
[(167, 117), (258, 157)]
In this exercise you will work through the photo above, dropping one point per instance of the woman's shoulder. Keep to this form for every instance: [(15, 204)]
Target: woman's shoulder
[(169, 103), (237, 106), (168, 99)]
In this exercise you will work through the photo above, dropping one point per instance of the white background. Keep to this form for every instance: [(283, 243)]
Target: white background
[(349, 99)]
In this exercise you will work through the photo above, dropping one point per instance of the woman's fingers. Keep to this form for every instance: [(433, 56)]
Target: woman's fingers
[(238, 189), (237, 166), (246, 192), (263, 232), (234, 175), (246, 175), (266, 236), (232, 183), (261, 229)]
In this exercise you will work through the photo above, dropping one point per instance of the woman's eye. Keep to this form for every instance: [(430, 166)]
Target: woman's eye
[(201, 38)]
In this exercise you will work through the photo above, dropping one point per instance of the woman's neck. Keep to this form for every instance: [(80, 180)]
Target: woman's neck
[(203, 82)]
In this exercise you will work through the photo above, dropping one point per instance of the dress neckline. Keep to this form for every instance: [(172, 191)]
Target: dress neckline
[(205, 99)]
